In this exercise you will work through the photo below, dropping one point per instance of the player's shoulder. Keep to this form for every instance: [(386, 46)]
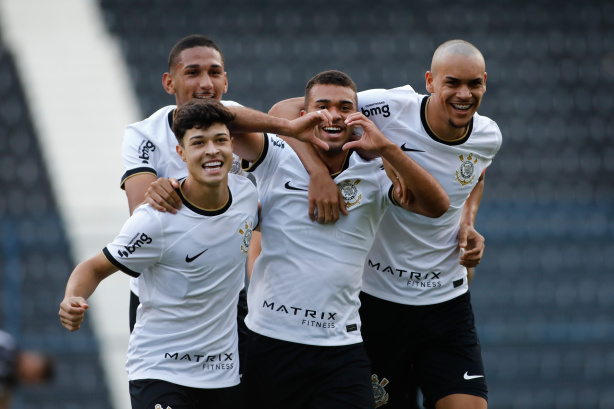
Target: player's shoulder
[(240, 183), (403, 92), (487, 127), (228, 103), (154, 121)]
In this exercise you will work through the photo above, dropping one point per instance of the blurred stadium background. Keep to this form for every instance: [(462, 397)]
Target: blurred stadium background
[(73, 73)]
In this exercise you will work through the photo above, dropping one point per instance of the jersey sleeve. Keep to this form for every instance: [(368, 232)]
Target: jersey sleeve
[(139, 244), (386, 186), (382, 106), (273, 150), (139, 154)]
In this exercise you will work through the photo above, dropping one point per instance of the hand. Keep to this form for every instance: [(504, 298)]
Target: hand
[(302, 127), (162, 196), (372, 139), (325, 199), (472, 246), (72, 311)]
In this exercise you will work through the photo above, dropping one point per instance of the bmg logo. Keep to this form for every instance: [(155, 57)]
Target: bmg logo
[(129, 249), (384, 110)]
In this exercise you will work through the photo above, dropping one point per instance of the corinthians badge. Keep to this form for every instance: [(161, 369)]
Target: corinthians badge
[(350, 192), (380, 394), (466, 172), (246, 231)]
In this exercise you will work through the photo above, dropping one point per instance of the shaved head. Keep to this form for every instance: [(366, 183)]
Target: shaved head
[(455, 47)]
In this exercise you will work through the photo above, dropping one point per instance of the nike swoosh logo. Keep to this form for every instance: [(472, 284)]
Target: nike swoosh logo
[(406, 149), (287, 186), (468, 377), (189, 259)]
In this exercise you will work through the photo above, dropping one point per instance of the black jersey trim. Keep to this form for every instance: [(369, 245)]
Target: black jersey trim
[(391, 196), (265, 150), (134, 172), (171, 116), (200, 210), (432, 134), (119, 265)]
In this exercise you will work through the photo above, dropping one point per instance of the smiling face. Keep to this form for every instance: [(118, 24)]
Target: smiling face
[(340, 102), (198, 73), (457, 83), (208, 154)]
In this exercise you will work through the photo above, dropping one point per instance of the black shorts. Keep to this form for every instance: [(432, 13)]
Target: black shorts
[(241, 314), (438, 342), (156, 394), (283, 375)]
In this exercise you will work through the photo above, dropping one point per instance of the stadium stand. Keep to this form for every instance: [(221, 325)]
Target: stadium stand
[(35, 262), (544, 293)]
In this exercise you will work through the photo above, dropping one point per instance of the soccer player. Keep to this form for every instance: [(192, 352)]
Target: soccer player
[(416, 310), (305, 347), (196, 71), (183, 351)]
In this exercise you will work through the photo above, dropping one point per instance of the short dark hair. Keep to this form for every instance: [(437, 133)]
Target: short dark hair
[(191, 41), (200, 114), (330, 77)]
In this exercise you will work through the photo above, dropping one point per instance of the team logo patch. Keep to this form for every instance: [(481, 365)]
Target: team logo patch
[(145, 148), (236, 166), (466, 172), (350, 192), (158, 406), (246, 232), (379, 393)]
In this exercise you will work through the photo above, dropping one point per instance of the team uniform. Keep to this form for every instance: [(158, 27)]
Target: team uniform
[(415, 301), (190, 268), (8, 364), (305, 347), (149, 147)]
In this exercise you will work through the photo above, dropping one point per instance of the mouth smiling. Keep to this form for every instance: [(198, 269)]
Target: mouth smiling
[(332, 130), (212, 166), (461, 107)]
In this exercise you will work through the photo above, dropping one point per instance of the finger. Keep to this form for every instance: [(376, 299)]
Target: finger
[(335, 212), (351, 145), (342, 205), (321, 214), (312, 208), (174, 183), (328, 214), (320, 143), (163, 204)]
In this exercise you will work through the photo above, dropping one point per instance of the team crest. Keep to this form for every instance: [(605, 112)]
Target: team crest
[(379, 393), (466, 173), (349, 191), (246, 232), (236, 166)]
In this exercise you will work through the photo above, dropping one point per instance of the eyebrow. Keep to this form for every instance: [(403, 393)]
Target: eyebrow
[(192, 66), (451, 78), (345, 101)]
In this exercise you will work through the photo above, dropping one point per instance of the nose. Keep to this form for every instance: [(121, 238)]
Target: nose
[(464, 91), (205, 82), (336, 114), (211, 148)]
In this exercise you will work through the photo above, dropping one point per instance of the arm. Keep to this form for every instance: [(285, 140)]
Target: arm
[(81, 285), (424, 195), (469, 240), (325, 199)]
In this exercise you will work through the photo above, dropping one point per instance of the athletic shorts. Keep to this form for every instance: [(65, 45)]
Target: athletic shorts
[(156, 394), (438, 342), (241, 314), (287, 375)]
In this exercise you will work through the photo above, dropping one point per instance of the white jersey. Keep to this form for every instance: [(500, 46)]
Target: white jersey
[(190, 268), (415, 259), (149, 146), (305, 284)]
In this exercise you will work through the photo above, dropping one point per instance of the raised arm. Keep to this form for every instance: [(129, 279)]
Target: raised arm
[(423, 194), (469, 239), (325, 199), (82, 283)]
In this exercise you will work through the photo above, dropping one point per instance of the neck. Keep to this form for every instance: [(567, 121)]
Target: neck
[(205, 196), (439, 126), (333, 160)]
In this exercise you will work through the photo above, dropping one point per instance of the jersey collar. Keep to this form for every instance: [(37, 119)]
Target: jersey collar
[(432, 134)]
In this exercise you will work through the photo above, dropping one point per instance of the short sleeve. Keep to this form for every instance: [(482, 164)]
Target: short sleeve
[(140, 243), (139, 154)]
